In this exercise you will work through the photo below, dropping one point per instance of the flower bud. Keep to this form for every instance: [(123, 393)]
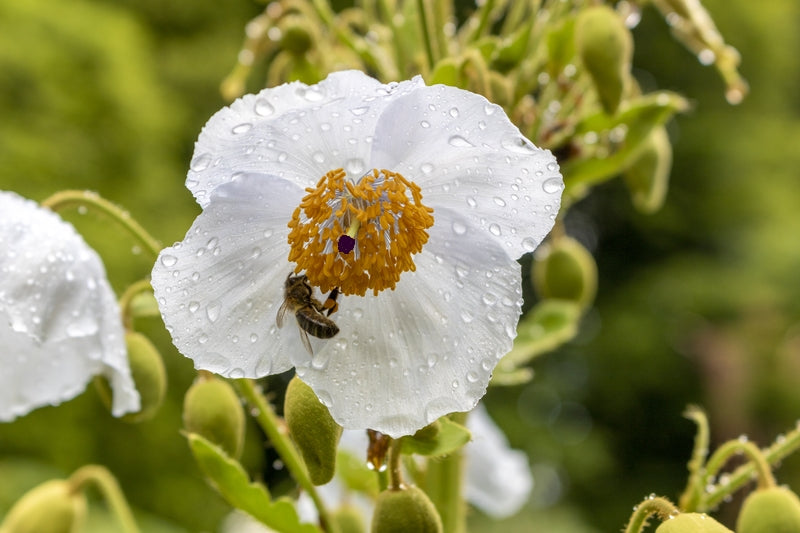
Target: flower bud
[(348, 519), (313, 430), (565, 270), (692, 523), (212, 409), (770, 510), (51, 507), (404, 510), (648, 176), (296, 35), (605, 47)]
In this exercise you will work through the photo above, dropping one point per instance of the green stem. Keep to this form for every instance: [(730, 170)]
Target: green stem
[(127, 298), (426, 36), (109, 488), (693, 493), (395, 473), (66, 199), (483, 20), (445, 483), (278, 436), (650, 506), (736, 447)]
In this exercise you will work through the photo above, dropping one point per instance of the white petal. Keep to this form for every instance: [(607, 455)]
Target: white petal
[(467, 155), (406, 357), (499, 480), (293, 131), (220, 288), (59, 320)]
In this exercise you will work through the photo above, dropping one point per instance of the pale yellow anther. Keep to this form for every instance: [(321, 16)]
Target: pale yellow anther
[(382, 212)]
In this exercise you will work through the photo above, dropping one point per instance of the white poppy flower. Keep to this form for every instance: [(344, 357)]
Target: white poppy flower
[(437, 193), (59, 320)]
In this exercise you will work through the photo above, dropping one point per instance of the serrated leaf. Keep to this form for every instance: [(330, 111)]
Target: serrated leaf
[(639, 117), (451, 437), (547, 326), (232, 482)]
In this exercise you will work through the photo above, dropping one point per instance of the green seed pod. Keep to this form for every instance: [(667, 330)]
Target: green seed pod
[(313, 430), (401, 511), (771, 510), (692, 523), (48, 508), (565, 270), (348, 519), (212, 409), (605, 47), (648, 176)]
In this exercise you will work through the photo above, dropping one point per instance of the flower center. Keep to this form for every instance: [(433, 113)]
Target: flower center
[(358, 236)]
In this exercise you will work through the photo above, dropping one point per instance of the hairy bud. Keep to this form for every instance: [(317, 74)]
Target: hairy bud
[(770, 510), (51, 507), (212, 409), (313, 430), (692, 523), (404, 510)]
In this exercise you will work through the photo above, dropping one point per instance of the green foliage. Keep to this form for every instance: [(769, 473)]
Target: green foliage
[(230, 479), (450, 437)]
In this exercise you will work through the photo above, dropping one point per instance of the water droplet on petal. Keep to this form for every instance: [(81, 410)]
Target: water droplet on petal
[(552, 167), (426, 168), (494, 229), (459, 142), (168, 260), (472, 377), (201, 162), (355, 166), (499, 201), (241, 128), (194, 306), (459, 228), (212, 311), (471, 201), (489, 109), (202, 339), (358, 111), (529, 244), (552, 186), (518, 145), (283, 156), (425, 124), (453, 112), (253, 337), (319, 157), (263, 107)]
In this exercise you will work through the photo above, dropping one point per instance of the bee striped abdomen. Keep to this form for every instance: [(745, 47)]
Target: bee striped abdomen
[(316, 324)]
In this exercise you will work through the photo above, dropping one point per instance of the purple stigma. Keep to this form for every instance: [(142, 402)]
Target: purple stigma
[(346, 244)]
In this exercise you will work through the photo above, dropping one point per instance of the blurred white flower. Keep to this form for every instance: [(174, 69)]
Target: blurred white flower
[(59, 320), (412, 202), (499, 479)]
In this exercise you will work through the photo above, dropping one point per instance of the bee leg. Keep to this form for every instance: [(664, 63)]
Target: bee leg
[(330, 304)]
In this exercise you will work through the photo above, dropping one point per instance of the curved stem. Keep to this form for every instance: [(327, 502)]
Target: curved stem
[(735, 447), (127, 298), (109, 488), (693, 492), (395, 473), (67, 199), (652, 505), (278, 436)]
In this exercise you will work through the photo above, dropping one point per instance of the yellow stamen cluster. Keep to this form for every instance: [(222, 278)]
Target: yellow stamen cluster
[(385, 213)]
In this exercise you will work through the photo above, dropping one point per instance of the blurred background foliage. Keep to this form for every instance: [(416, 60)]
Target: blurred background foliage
[(697, 303)]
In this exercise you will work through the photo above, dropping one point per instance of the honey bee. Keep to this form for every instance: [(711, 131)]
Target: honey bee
[(299, 299)]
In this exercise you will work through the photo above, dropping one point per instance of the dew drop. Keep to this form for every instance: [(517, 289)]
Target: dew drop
[(552, 167), (489, 298), (471, 201), (459, 228), (489, 109), (244, 127), (455, 384), (212, 311), (425, 124), (472, 377), (466, 316), (358, 111), (263, 107), (453, 112), (529, 244), (499, 201), (283, 156), (494, 229), (459, 142), (253, 337), (194, 306), (518, 145), (552, 186), (168, 260), (426, 168), (201, 162), (355, 166), (319, 157), (482, 125), (202, 339)]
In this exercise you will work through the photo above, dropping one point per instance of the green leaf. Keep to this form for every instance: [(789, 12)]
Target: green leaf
[(547, 326), (451, 436), (232, 482), (638, 118), (447, 72), (512, 49), (355, 474)]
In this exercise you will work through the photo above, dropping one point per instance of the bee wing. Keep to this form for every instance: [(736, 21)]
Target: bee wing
[(281, 313), (305, 340)]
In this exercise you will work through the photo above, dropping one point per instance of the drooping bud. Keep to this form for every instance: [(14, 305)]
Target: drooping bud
[(51, 507), (770, 510), (404, 510), (296, 34), (648, 176), (605, 47), (212, 409), (313, 430), (691, 523), (565, 270)]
